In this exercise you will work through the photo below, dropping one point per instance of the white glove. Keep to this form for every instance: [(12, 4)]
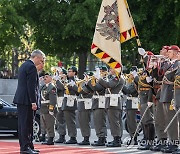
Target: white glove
[(72, 83), (97, 74), (141, 51), (149, 104), (55, 77), (134, 73), (149, 79), (51, 113)]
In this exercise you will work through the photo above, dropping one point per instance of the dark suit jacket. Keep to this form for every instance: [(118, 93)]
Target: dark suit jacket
[(28, 85)]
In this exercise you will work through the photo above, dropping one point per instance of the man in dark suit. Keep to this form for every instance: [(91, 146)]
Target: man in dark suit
[(27, 98)]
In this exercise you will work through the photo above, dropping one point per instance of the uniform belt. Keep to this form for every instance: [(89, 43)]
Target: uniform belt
[(97, 96), (45, 102), (143, 89), (112, 95), (131, 97), (84, 99), (70, 96)]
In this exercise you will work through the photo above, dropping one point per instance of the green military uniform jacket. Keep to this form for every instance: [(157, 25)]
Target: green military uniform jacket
[(98, 90), (70, 96), (144, 89), (177, 87), (113, 87), (167, 89), (48, 98), (85, 98)]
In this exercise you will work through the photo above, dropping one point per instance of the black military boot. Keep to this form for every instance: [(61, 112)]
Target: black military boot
[(85, 141), (149, 136), (72, 141), (105, 141), (61, 139), (100, 142), (115, 143), (42, 138), (177, 151), (50, 141), (160, 144), (171, 147)]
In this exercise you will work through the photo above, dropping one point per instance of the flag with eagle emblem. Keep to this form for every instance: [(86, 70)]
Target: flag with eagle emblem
[(114, 26)]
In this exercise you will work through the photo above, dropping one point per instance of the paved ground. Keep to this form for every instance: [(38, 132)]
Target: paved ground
[(120, 150)]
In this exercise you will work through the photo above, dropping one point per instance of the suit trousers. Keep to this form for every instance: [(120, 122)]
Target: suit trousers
[(61, 125), (172, 132), (70, 118), (159, 120), (49, 123), (84, 118), (99, 118), (114, 118), (25, 126)]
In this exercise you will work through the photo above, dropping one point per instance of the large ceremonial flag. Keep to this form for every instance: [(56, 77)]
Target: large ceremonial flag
[(114, 26)]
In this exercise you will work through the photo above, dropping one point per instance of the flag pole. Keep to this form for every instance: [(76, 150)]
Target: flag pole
[(137, 37)]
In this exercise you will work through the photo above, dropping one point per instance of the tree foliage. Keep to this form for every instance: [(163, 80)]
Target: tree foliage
[(62, 27)]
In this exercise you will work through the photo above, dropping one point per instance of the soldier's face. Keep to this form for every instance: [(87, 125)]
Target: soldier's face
[(164, 52), (112, 71), (47, 79), (171, 54), (71, 73)]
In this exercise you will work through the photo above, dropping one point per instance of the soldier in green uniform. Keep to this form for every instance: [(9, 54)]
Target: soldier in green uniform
[(145, 95), (98, 109), (177, 92), (130, 89), (48, 105), (159, 119), (61, 125), (84, 110), (69, 105), (113, 84), (166, 96)]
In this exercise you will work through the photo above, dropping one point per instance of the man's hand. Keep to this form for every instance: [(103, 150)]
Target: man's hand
[(56, 77), (51, 113), (34, 106)]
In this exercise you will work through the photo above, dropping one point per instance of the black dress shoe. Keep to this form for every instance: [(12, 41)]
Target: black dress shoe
[(28, 151)]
